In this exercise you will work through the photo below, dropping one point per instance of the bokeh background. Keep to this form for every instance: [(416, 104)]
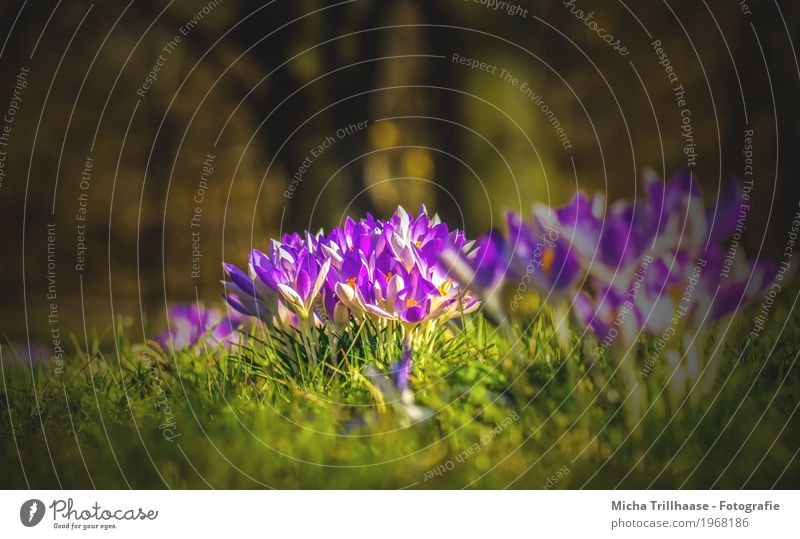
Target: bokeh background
[(260, 85)]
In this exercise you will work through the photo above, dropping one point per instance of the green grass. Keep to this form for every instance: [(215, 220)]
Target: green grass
[(526, 417)]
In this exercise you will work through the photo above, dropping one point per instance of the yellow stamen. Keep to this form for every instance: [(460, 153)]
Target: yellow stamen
[(547, 258), (444, 287), (418, 244), (351, 282), (388, 276), (411, 302)]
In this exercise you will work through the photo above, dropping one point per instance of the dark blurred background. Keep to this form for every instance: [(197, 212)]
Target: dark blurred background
[(251, 90)]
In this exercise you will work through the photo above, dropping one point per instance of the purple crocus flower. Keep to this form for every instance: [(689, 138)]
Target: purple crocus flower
[(608, 244), (14, 353), (281, 285), (688, 256), (538, 250), (716, 297), (412, 240), (481, 268), (681, 224), (192, 324), (748, 284)]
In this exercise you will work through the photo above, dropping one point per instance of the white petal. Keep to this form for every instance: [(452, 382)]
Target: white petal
[(292, 298), (323, 272)]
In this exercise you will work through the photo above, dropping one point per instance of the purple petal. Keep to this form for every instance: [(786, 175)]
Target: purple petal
[(402, 370), (303, 284), (726, 213), (413, 314), (242, 280)]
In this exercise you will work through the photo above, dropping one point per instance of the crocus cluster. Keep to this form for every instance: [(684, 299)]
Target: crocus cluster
[(661, 265), (657, 265), (662, 258), (387, 271)]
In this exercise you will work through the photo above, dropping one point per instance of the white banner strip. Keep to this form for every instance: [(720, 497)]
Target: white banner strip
[(399, 514)]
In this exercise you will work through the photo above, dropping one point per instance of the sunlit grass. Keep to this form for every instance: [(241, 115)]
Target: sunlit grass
[(491, 409)]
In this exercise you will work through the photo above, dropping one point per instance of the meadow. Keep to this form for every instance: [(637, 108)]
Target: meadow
[(491, 408)]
